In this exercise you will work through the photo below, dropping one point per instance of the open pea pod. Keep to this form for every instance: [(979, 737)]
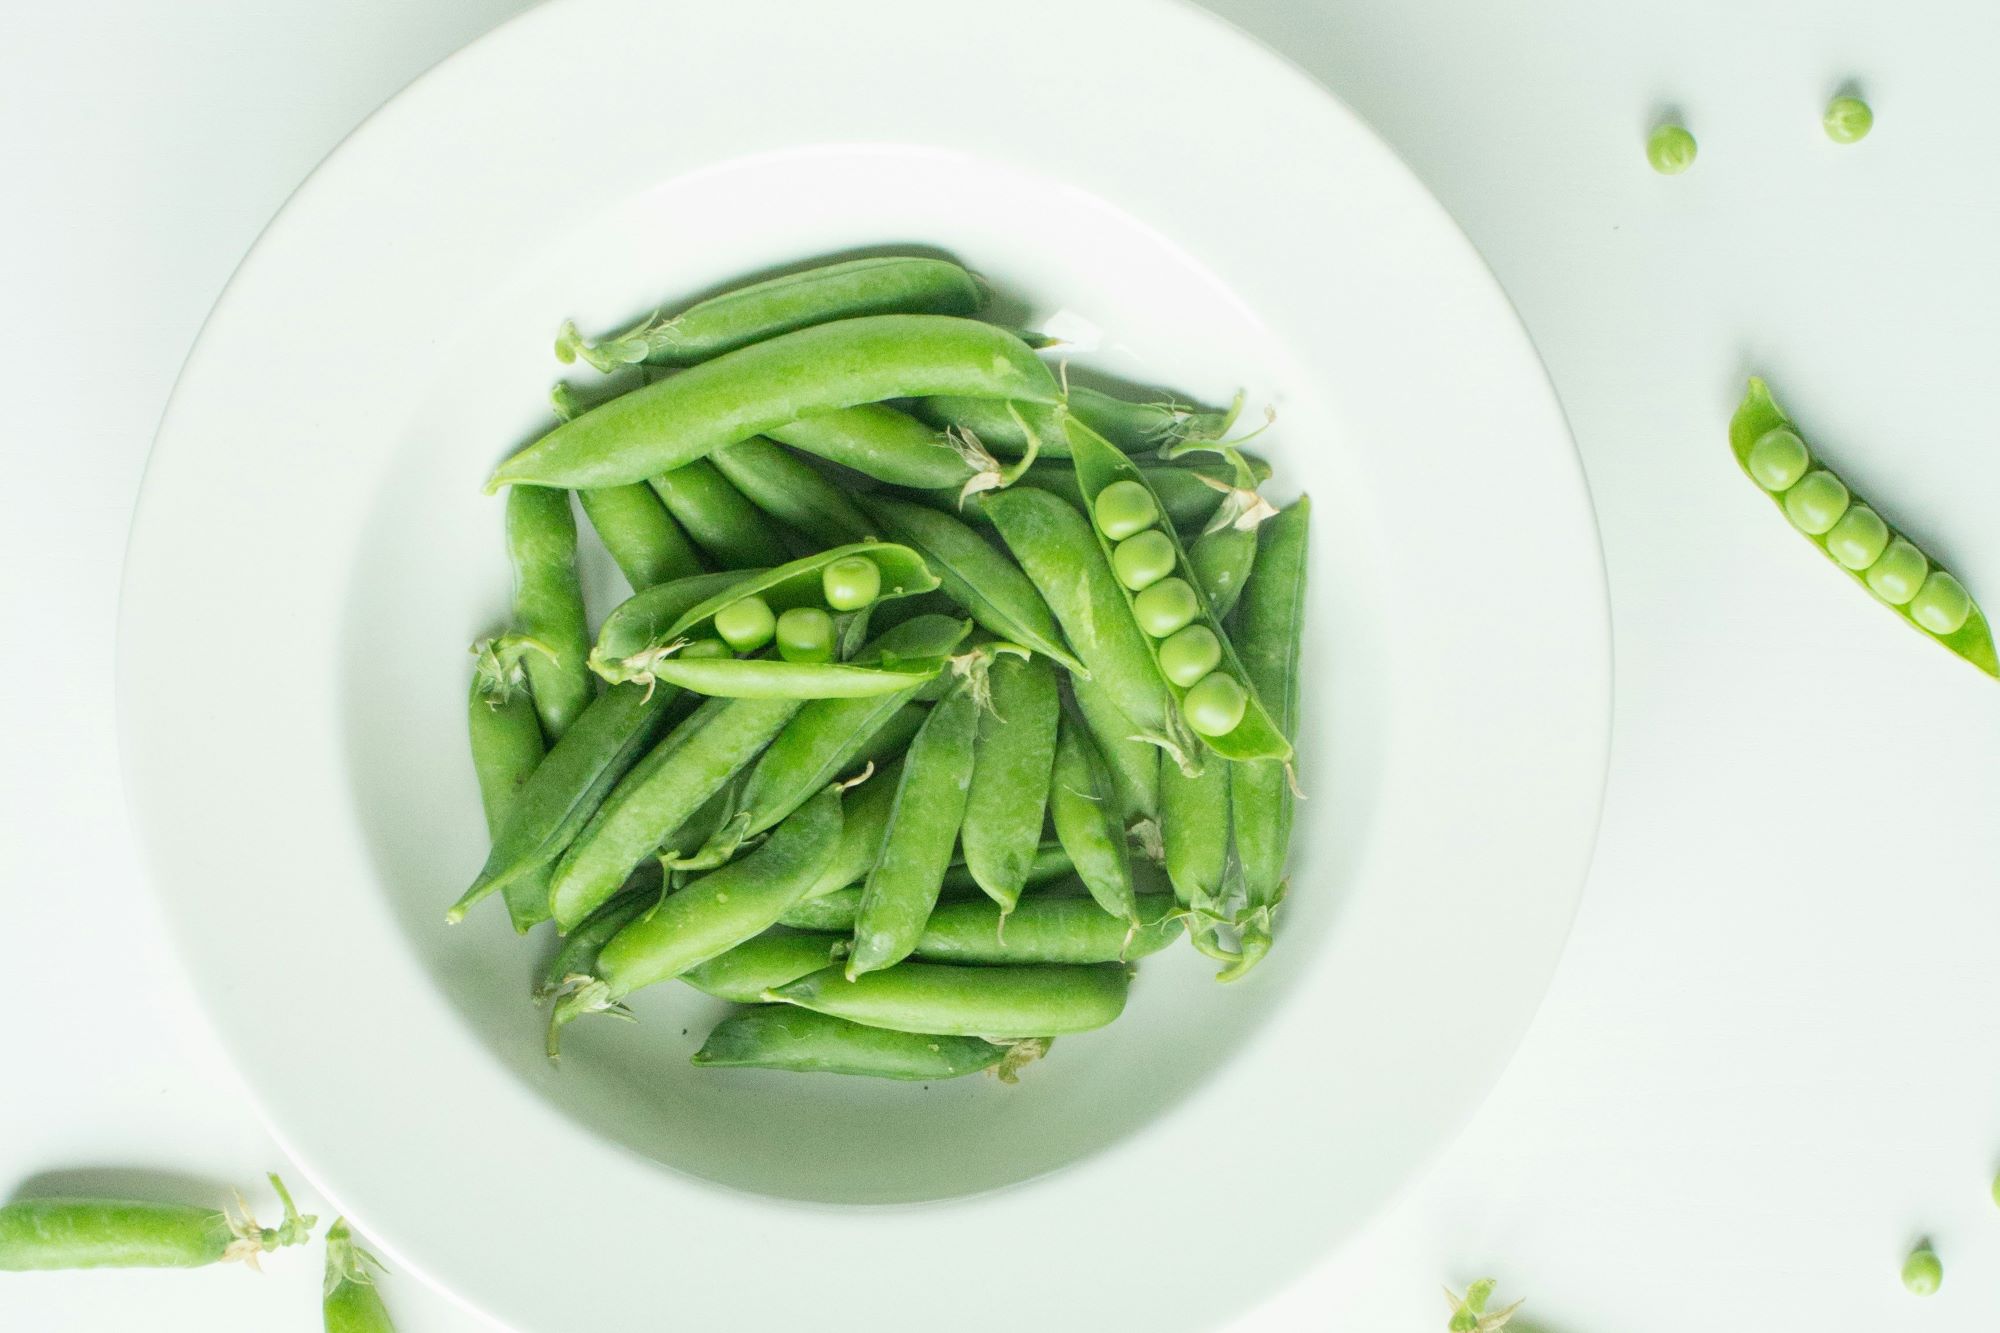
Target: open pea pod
[(641, 622), (1098, 464), (774, 678), (904, 574), (1851, 534)]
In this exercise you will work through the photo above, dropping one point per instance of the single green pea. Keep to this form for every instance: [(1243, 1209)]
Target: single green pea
[(1848, 120), (1671, 150), (1899, 574), (1858, 540), (1817, 502), (1778, 459), (1942, 604), (1922, 1273), (1215, 704), (699, 648), (746, 624), (1165, 607), (1189, 655), (805, 634), (852, 583), (1141, 561), (1124, 508)]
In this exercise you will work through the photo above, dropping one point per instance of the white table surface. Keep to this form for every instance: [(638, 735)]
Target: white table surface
[(1765, 1065)]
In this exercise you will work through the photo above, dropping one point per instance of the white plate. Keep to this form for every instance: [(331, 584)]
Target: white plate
[(313, 554)]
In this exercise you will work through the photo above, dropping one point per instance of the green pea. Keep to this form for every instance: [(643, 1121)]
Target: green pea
[(1922, 1273), (1124, 508), (805, 634), (1166, 607), (1858, 540), (1848, 120), (1141, 561), (1670, 149), (1190, 654), (1778, 459), (746, 625), (1817, 502), (1899, 574), (852, 583), (1215, 704), (1942, 604)]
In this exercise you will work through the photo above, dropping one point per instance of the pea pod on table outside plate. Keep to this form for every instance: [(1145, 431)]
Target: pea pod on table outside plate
[(765, 385), (350, 1302), (890, 284), (1854, 536), (38, 1234), (782, 1036)]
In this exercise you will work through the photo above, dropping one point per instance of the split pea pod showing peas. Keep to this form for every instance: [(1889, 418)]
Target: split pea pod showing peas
[(117, 1233), (1853, 535), (1225, 551), (881, 286), (801, 1041), (548, 604), (350, 1302), (1031, 1000), (765, 385)]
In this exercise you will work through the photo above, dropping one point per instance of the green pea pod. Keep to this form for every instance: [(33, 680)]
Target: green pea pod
[(658, 795), (776, 957), (1270, 624), (548, 604), (1131, 426), (991, 588), (350, 1302), (1255, 736), (577, 955), (720, 518), (893, 284), (1224, 553), (712, 915), (1032, 1000), (640, 624), (1055, 546), (1190, 494), (877, 441), (772, 678), (763, 386), (643, 538), (570, 784), (1049, 862), (923, 827), (1047, 929), (1853, 536), (867, 808), (1194, 833), (1087, 823), (1009, 796), (1135, 765), (38, 1234), (792, 492), (506, 750), (800, 1041)]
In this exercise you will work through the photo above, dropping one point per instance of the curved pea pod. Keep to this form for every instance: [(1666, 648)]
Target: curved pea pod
[(773, 959), (548, 604), (1030, 1000), (758, 388), (1852, 535), (658, 795), (1132, 426), (38, 1234), (1087, 822), (712, 914), (886, 285), (991, 587), (1134, 765), (878, 441), (634, 642), (720, 518), (792, 492), (350, 1302), (1007, 801), (803, 1042), (923, 827), (1255, 736), (1047, 929), (1189, 493), (506, 750)]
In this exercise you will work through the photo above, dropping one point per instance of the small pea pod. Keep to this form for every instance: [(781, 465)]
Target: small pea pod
[(760, 387), (1270, 624), (506, 750), (719, 517), (1131, 426), (1853, 535), (800, 1041), (1047, 929), (1007, 801), (711, 915), (1191, 494), (991, 587), (1087, 823), (1194, 842), (350, 1302), (923, 827), (1134, 765), (658, 795), (1031, 1000), (773, 959), (792, 492), (891, 284), (877, 441), (548, 604), (117, 1233)]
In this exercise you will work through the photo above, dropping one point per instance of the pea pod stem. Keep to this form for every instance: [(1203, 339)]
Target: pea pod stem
[(350, 1300)]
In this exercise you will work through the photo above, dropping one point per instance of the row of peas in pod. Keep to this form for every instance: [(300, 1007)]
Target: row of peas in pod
[(945, 691)]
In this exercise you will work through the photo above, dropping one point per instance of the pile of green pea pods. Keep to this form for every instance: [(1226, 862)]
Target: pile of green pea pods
[(945, 692)]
